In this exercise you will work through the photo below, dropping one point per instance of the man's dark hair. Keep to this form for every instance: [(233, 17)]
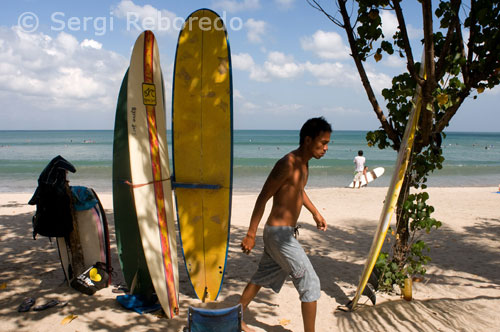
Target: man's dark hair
[(360, 152), (313, 127)]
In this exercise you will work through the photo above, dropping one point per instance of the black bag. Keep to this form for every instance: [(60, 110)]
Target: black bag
[(53, 199), (93, 279)]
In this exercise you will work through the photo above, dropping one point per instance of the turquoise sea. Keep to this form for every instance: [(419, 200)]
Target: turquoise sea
[(472, 159)]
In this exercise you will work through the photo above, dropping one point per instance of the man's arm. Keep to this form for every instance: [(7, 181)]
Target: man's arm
[(273, 183), (318, 218)]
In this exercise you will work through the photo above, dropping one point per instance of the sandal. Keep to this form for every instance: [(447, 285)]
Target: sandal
[(50, 304), (26, 304)]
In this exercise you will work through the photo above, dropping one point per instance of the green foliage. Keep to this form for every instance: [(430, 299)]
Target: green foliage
[(418, 212), (415, 208), (379, 138), (370, 29), (390, 273), (424, 163)]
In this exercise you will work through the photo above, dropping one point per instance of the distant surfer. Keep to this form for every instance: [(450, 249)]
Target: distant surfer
[(360, 169), (283, 255)]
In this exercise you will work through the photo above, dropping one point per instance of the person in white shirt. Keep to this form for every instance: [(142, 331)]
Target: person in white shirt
[(360, 170)]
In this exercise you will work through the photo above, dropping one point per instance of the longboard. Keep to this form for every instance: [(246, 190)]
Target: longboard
[(202, 149), (149, 170), (370, 176), (129, 244), (93, 237), (392, 192)]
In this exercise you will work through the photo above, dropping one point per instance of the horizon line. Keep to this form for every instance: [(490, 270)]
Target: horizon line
[(267, 129)]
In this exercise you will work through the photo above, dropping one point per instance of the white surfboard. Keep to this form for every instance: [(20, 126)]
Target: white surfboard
[(370, 176), (150, 172), (94, 240)]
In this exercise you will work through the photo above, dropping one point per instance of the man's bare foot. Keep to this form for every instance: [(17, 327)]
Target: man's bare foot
[(246, 328)]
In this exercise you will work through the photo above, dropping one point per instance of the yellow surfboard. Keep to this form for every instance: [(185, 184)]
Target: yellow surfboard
[(202, 148), (393, 192), (149, 169)]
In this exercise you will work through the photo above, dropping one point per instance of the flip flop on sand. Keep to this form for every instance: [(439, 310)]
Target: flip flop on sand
[(50, 304), (26, 304)]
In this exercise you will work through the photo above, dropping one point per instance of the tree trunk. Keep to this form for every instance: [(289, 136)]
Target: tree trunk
[(400, 247)]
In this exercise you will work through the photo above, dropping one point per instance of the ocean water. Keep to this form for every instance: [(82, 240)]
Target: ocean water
[(472, 159)]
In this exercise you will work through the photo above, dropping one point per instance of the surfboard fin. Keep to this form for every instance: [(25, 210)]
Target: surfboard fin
[(370, 292), (206, 295)]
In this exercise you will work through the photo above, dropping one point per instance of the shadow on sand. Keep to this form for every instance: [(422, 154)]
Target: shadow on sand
[(31, 268)]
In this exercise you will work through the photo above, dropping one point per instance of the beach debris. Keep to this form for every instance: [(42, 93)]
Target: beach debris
[(26, 304), (120, 289), (284, 322), (345, 308), (418, 279), (68, 319)]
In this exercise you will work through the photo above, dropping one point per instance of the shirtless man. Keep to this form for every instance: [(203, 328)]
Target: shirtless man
[(283, 255)]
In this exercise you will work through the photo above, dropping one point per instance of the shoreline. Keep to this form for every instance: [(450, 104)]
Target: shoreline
[(461, 290), (246, 191)]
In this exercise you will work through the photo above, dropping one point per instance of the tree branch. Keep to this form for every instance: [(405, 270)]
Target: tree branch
[(364, 77), (406, 43), (430, 81), (452, 29), (317, 6)]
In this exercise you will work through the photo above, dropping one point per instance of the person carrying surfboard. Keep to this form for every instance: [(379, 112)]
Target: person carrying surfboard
[(283, 255), (360, 169)]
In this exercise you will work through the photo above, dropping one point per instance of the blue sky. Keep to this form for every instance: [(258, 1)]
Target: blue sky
[(62, 63)]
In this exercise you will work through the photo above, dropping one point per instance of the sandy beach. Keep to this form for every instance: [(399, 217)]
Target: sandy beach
[(461, 291)]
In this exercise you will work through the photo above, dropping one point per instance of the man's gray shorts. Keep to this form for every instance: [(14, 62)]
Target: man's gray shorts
[(283, 256)]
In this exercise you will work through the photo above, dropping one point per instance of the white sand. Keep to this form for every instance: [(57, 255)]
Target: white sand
[(461, 291)]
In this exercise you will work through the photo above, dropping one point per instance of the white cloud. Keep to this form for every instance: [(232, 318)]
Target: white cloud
[(59, 72), (255, 30), (389, 23), (326, 45), (91, 43), (242, 61), (340, 75), (233, 6), (379, 81), (288, 109), (237, 95), (394, 61), (259, 74), (339, 110), (390, 26), (242, 105), (282, 66), (334, 74), (285, 4), (414, 33), (245, 62), (147, 17)]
